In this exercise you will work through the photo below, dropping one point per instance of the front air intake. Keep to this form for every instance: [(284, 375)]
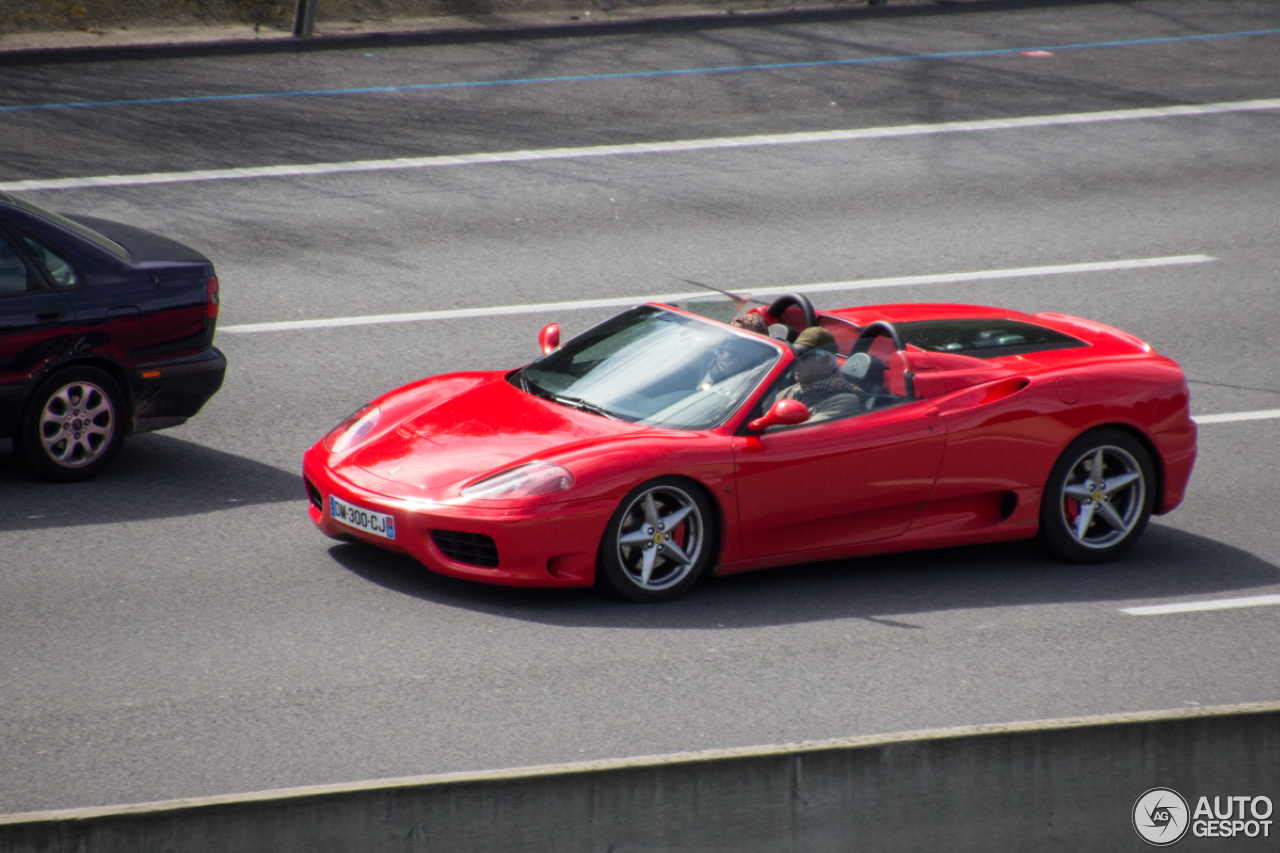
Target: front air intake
[(312, 492), (474, 549)]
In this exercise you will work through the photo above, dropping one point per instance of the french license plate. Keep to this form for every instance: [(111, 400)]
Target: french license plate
[(362, 519)]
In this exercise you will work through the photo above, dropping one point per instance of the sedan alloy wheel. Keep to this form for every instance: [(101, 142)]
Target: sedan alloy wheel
[(73, 425)]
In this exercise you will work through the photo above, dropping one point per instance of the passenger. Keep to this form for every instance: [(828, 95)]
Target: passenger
[(751, 322), (819, 384)]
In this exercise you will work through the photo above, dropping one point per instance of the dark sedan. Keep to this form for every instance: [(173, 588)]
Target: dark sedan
[(105, 330)]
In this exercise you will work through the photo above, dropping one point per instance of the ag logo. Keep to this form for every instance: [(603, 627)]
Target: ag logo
[(1160, 816)]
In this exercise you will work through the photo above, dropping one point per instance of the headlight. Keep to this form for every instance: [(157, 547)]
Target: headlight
[(351, 431), (525, 481)]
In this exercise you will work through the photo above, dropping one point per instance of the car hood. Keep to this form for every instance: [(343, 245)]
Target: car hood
[(486, 426)]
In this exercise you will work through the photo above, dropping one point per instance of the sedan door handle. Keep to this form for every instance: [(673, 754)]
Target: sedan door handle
[(51, 315)]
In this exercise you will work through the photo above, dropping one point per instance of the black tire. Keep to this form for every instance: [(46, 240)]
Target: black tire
[(1084, 520), (88, 404), (620, 565)]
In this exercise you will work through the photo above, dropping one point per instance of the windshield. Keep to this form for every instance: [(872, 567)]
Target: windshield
[(716, 306), (656, 368)]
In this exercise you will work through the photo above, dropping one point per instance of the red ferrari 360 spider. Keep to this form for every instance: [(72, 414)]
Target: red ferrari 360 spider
[(663, 443)]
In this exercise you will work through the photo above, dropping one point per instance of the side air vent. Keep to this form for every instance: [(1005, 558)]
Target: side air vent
[(474, 549)]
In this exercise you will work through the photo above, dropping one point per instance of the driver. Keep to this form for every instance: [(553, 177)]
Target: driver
[(728, 359), (819, 384)]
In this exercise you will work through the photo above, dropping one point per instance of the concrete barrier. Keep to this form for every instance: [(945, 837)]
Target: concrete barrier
[(1059, 784)]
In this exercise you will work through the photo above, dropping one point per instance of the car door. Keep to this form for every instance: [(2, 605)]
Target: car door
[(836, 482), (1002, 437), (108, 319), (37, 324)]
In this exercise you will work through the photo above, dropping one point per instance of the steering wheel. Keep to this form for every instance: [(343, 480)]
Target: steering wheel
[(786, 300)]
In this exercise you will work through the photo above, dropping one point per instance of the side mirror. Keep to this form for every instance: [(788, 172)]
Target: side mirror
[(784, 413), (549, 338)]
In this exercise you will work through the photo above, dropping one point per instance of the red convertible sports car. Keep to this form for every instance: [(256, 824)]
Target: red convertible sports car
[(664, 443)]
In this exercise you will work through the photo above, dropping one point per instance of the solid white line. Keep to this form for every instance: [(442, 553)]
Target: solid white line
[(644, 147), (1195, 606), (1262, 415), (628, 301)]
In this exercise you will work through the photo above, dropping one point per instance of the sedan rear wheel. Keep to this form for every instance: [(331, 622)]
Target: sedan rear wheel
[(658, 542), (73, 425), (1098, 498)]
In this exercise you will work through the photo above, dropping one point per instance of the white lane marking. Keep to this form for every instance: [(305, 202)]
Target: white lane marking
[(1261, 415), (644, 147), (1195, 606), (628, 301)]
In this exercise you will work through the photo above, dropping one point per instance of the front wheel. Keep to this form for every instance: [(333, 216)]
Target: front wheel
[(73, 425), (658, 543), (1098, 498)]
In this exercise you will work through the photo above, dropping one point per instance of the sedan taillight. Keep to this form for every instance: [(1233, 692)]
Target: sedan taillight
[(212, 305)]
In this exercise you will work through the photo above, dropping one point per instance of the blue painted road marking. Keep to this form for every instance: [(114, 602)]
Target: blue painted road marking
[(631, 75)]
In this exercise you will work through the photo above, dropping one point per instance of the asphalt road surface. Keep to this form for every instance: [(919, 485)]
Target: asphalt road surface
[(178, 628)]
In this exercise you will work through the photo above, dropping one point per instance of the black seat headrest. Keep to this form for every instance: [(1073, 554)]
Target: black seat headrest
[(862, 367)]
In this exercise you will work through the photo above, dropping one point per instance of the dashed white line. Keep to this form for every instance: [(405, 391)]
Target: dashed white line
[(240, 173), (1196, 606), (627, 301), (1261, 415)]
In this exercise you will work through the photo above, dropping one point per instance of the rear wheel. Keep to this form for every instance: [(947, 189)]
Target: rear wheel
[(658, 543), (1098, 498), (73, 425)]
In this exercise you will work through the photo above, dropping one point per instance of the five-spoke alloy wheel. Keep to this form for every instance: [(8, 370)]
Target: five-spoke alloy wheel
[(1098, 498), (658, 542), (73, 425)]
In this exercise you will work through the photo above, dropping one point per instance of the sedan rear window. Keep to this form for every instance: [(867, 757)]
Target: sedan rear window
[(985, 338), (75, 227)]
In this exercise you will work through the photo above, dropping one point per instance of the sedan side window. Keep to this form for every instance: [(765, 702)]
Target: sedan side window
[(59, 268), (13, 271)]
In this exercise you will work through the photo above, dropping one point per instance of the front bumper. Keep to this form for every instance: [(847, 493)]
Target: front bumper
[(166, 392), (548, 546)]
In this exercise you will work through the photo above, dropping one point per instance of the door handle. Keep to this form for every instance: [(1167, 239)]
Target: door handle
[(51, 315)]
